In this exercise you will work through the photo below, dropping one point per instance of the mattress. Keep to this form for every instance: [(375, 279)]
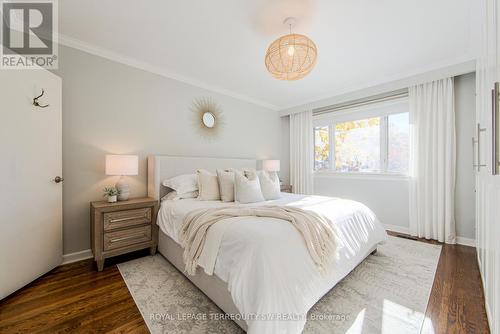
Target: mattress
[(269, 273)]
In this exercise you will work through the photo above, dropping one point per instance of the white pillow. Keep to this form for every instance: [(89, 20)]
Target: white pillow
[(247, 188), (208, 186), (226, 185), (182, 184), (269, 185), (174, 196)]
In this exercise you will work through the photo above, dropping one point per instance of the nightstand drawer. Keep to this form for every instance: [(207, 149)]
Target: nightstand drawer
[(286, 188), (126, 218), (123, 227), (123, 238)]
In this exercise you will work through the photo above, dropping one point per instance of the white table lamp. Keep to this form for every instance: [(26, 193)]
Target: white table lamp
[(122, 165), (271, 165)]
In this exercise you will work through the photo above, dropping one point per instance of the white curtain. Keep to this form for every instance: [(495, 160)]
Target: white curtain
[(301, 152), (432, 161)]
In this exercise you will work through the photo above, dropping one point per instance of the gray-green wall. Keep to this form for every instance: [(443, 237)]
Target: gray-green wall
[(465, 123)]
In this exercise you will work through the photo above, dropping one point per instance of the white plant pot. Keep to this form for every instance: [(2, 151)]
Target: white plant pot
[(112, 199)]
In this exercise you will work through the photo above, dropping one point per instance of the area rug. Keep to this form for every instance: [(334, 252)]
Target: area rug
[(387, 293)]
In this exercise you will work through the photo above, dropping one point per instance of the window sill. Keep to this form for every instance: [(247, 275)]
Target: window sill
[(361, 176)]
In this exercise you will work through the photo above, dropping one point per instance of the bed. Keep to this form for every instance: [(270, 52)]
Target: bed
[(264, 278)]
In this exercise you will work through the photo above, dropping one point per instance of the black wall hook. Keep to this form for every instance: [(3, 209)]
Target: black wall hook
[(37, 104)]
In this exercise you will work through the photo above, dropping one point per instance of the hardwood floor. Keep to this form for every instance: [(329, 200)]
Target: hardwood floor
[(456, 303), (75, 298)]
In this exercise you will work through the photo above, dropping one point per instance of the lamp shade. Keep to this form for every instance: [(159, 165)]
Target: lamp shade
[(291, 57), (271, 165), (122, 164)]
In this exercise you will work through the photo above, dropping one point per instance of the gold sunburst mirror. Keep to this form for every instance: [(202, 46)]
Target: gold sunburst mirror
[(207, 116)]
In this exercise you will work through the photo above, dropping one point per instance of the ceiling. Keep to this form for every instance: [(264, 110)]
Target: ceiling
[(221, 44)]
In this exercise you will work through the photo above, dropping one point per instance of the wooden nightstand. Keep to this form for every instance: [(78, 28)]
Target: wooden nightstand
[(122, 227), (285, 188)]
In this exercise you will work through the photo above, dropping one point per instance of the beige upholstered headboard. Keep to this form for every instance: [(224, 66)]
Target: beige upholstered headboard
[(161, 167)]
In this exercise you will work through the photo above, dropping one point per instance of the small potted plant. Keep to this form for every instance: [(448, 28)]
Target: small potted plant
[(111, 193)]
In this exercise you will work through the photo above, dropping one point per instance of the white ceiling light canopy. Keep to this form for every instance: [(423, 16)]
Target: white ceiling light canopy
[(291, 57)]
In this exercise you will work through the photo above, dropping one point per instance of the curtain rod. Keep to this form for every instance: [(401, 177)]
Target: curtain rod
[(362, 102)]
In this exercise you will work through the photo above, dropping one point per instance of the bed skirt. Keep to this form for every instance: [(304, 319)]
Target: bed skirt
[(211, 285)]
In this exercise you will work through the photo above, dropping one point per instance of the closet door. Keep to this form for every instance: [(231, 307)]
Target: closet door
[(30, 161), (488, 184)]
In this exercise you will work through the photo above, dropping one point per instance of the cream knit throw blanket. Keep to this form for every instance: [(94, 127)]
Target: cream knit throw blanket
[(317, 231)]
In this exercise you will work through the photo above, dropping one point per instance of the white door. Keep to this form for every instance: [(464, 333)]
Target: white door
[(487, 184), (30, 160)]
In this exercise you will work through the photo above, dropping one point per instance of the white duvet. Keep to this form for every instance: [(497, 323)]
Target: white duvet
[(272, 279)]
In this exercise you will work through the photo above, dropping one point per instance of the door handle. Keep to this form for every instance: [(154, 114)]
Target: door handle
[(58, 179), (477, 141), (495, 128)]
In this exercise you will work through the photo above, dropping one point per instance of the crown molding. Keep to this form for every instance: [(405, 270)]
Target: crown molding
[(452, 68), (138, 64)]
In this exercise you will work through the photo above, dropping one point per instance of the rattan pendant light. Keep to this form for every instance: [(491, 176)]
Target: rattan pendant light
[(291, 57)]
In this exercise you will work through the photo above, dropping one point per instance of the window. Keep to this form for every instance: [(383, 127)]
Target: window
[(372, 140), (321, 148), (398, 143), (357, 145)]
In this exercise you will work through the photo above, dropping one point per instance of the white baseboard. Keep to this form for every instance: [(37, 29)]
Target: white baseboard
[(397, 229), (403, 229), (466, 241), (77, 256)]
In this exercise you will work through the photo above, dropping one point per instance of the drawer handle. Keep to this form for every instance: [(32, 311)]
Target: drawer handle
[(117, 220), (127, 238)]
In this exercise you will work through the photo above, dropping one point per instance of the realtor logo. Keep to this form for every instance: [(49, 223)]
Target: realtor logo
[(28, 35)]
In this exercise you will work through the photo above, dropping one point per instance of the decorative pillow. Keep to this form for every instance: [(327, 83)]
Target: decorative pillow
[(183, 183), (247, 188), (226, 184), (269, 185), (173, 195), (208, 186)]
